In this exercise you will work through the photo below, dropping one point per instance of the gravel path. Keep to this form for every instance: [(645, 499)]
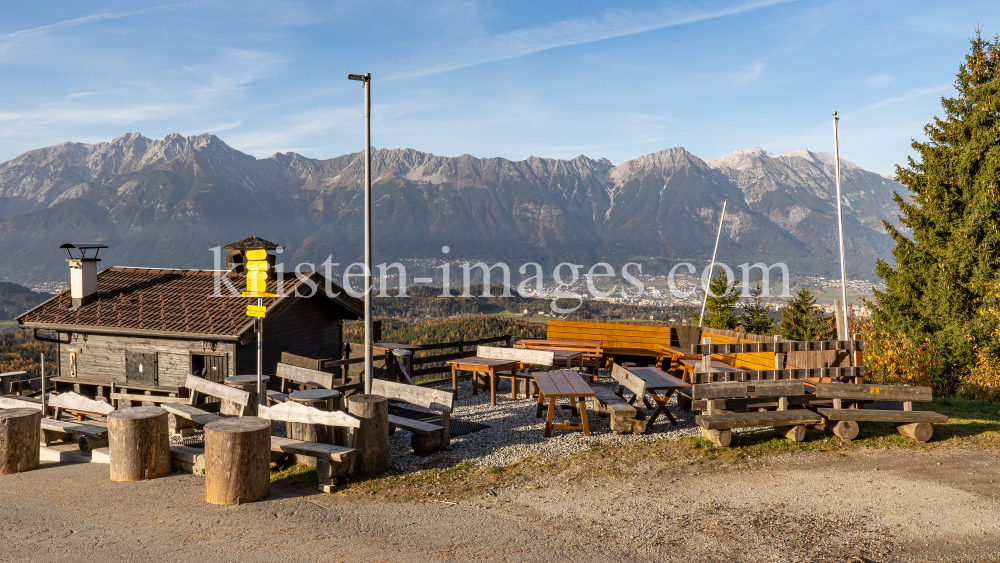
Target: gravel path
[(514, 433)]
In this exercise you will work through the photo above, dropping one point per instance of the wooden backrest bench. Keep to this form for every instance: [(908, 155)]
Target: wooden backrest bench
[(847, 397), (331, 461), (425, 438), (625, 415), (717, 426), (304, 377), (524, 358)]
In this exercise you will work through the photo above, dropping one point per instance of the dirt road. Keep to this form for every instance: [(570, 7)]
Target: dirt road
[(904, 505)]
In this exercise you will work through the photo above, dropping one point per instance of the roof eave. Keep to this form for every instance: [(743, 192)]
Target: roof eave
[(132, 332)]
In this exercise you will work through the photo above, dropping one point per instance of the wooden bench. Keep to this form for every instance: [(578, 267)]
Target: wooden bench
[(305, 378), (331, 461), (88, 436), (183, 418), (593, 355), (425, 438), (848, 398), (617, 339), (625, 415), (717, 425), (523, 357)]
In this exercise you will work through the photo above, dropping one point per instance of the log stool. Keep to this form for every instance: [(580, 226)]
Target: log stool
[(246, 383), (371, 440), (325, 400), (19, 434), (138, 443), (237, 460)]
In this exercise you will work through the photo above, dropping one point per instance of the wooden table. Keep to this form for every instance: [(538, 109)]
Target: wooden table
[(479, 365), (554, 385), (688, 366), (660, 385), (382, 348), (325, 400), (676, 354), (612, 353)]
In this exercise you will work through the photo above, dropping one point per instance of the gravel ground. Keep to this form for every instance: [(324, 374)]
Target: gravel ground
[(515, 433), (864, 507)]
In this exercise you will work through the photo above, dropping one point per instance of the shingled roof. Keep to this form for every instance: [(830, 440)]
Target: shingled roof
[(156, 301)]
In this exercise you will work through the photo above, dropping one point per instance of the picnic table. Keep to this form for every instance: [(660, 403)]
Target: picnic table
[(614, 354), (383, 348), (688, 366), (553, 385), (676, 354), (660, 385), (488, 366)]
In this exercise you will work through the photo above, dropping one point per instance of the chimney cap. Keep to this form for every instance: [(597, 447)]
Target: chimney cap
[(83, 247), (251, 243)]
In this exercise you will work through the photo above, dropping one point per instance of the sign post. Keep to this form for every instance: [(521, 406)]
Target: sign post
[(258, 272)]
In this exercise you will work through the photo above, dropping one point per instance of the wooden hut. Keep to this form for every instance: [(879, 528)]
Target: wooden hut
[(145, 329)]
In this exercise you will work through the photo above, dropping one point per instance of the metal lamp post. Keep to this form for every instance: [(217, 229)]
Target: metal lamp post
[(840, 227), (366, 80), (711, 269)]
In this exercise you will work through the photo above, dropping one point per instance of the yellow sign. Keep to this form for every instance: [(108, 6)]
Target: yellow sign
[(256, 311), (257, 266), (256, 284), (259, 294), (876, 390), (257, 254), (255, 314)]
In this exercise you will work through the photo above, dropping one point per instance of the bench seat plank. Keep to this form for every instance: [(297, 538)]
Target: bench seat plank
[(728, 421), (415, 426), (191, 413), (88, 430), (875, 415), (312, 449)]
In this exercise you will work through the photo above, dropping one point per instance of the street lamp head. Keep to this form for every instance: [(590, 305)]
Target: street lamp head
[(362, 77)]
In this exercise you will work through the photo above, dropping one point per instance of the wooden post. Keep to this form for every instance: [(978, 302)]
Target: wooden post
[(371, 440), (321, 399), (237, 460), (89, 443), (138, 443), (20, 430)]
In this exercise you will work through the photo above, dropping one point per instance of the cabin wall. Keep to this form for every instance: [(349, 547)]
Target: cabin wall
[(308, 327), (102, 357)]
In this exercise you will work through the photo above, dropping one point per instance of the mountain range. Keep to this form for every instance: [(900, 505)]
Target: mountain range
[(164, 203)]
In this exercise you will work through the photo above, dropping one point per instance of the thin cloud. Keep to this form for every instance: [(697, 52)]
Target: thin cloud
[(80, 94), (94, 18), (564, 33), (917, 93), (879, 80), (749, 73)]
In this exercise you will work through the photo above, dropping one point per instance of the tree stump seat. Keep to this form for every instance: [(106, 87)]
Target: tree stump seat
[(19, 440), (138, 443)]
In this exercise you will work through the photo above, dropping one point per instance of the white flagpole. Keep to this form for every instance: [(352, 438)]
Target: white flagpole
[(845, 333), (711, 270)]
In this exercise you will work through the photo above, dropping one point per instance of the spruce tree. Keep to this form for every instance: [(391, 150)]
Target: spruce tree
[(952, 250), (720, 306), (800, 318), (755, 314)]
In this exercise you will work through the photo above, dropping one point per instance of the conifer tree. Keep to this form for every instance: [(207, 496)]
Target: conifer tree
[(721, 304), (943, 265), (755, 314), (800, 318)]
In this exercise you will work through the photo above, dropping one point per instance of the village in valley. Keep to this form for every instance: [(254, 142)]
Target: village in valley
[(252, 349)]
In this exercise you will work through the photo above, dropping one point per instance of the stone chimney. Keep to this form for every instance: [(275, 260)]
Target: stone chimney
[(82, 272)]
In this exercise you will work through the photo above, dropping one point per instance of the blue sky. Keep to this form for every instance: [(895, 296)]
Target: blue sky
[(488, 78)]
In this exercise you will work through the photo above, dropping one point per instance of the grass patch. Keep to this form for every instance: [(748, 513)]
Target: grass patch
[(295, 476), (972, 424)]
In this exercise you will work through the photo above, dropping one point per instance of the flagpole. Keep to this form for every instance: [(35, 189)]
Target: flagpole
[(844, 333), (711, 269)]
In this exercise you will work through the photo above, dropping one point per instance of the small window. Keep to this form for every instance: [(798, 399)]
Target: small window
[(210, 367)]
